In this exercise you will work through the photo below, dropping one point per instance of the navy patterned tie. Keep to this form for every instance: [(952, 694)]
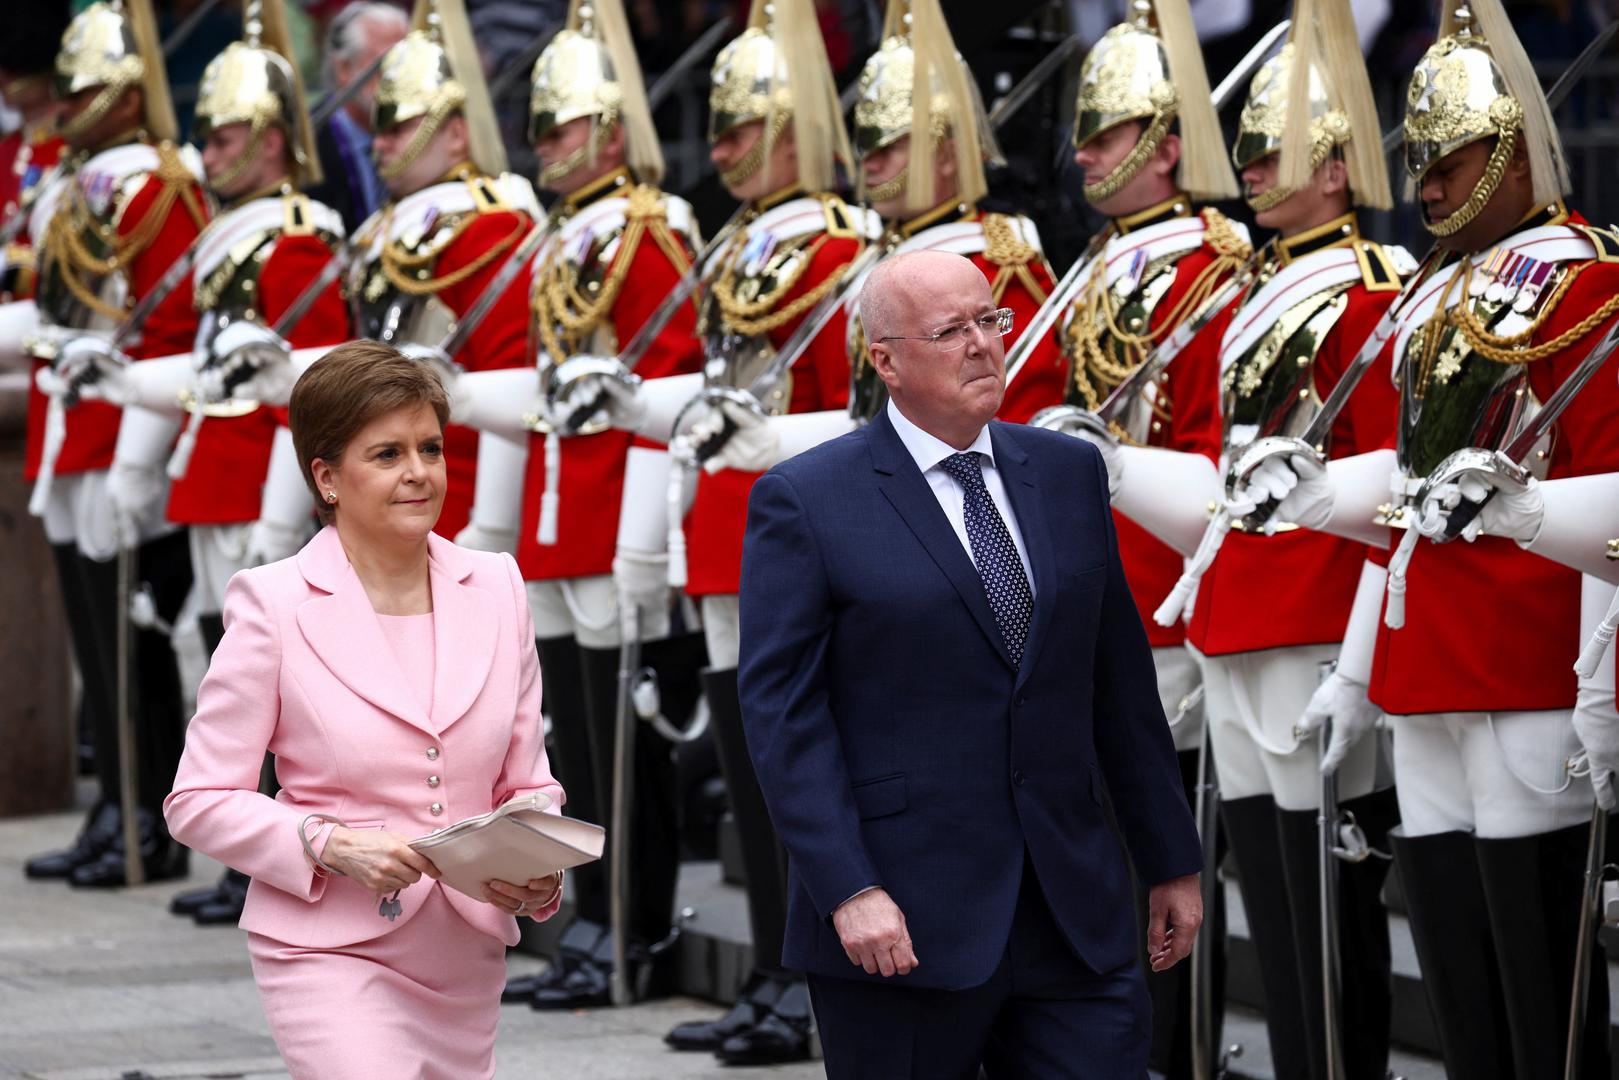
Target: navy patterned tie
[(994, 553)]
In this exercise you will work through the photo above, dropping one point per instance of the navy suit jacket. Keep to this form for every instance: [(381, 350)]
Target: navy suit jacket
[(897, 745)]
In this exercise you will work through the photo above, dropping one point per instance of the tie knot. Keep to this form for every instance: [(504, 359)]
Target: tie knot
[(966, 468)]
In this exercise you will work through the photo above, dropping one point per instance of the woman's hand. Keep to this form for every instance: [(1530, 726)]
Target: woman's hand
[(380, 861), (523, 899)]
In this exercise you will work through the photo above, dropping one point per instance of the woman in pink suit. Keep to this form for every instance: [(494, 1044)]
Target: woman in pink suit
[(394, 677)]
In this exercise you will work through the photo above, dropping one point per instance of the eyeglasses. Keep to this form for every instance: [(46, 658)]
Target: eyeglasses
[(994, 324)]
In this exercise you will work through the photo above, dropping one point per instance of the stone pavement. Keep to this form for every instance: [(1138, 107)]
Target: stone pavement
[(109, 986)]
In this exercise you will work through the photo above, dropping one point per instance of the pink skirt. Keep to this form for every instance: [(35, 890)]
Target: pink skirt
[(420, 1003)]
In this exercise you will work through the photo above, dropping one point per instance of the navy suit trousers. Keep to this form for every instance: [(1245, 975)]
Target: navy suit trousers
[(1042, 1015)]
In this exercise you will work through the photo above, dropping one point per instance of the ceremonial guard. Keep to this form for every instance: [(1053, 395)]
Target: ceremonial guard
[(127, 205), (1270, 614), (29, 154), (454, 219), (927, 191), (777, 141), (614, 248), (253, 263), (1472, 660), (1147, 140)]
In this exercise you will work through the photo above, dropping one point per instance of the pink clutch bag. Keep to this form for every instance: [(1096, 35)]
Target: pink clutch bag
[(516, 842)]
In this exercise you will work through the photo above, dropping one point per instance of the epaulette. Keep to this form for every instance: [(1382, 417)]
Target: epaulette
[(298, 220), (485, 196), (842, 223), (1604, 240), (1377, 271)]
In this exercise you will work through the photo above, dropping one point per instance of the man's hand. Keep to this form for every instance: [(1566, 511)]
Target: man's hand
[(872, 929), (1174, 912)]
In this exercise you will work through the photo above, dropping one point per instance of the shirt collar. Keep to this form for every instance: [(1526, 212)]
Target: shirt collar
[(929, 450)]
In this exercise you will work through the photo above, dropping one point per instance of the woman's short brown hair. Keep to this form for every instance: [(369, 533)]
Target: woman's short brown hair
[(344, 391)]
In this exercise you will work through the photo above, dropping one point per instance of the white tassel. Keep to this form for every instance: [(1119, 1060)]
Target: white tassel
[(1183, 596), (677, 529), (180, 459), (551, 498), (1595, 649), (55, 436), (1399, 562)]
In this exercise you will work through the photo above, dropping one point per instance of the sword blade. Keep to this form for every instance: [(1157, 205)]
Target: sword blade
[(1248, 65), (696, 51), (340, 97), (466, 324), (1037, 76), (1518, 449)]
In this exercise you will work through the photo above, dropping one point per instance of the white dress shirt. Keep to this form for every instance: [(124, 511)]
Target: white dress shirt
[(929, 451)]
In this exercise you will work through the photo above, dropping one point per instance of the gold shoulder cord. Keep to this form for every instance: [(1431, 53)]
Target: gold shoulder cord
[(755, 318), (1095, 314), (64, 243), (1512, 349), (1011, 256), (403, 268), (565, 314)]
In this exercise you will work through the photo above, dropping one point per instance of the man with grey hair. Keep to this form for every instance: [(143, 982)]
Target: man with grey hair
[(942, 670), (354, 38)]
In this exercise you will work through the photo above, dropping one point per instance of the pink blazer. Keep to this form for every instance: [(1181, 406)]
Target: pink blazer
[(304, 671)]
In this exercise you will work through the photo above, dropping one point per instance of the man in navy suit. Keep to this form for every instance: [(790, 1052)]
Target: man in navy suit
[(941, 669)]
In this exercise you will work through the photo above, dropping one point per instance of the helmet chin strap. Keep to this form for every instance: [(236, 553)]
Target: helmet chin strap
[(1128, 169), (93, 114), (1495, 170), (601, 130), (754, 159), (428, 128), (249, 154)]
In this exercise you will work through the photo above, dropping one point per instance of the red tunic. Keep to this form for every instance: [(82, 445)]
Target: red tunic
[(820, 378), (1296, 587), (500, 341), (25, 156), (92, 426), (225, 480), (591, 477), (1043, 377), (1489, 626)]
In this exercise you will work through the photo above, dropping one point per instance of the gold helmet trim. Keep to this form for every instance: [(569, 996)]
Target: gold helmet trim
[(113, 44), (435, 72), (918, 50), (254, 81), (776, 71), (1150, 69), (590, 69), (1475, 82)]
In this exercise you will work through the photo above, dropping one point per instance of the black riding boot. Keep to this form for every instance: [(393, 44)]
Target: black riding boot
[(1252, 831), (1365, 966), (1450, 925), (1532, 888)]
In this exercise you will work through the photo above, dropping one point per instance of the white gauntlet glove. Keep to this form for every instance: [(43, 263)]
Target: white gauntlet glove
[(137, 483), (1300, 486), (79, 362), (249, 361), (1342, 697), (1512, 510), (621, 402), (284, 511), (741, 438)]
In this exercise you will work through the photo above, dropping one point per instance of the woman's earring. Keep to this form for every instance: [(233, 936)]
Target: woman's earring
[(331, 496)]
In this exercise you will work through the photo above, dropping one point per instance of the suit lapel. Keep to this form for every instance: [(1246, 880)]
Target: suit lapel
[(343, 631), (1017, 477), (466, 621), (907, 490)]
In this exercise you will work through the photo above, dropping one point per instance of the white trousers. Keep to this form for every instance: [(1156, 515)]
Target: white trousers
[(586, 608), (1178, 676), (217, 553), (1499, 775), (79, 511), (1254, 699), (722, 627)]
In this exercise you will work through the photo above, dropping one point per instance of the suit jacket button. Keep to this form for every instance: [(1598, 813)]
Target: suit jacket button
[(432, 753), (1022, 700), (432, 781), (436, 809), (1017, 777)]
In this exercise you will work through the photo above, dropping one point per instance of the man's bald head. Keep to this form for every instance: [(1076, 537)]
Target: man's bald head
[(887, 295), (952, 387)]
